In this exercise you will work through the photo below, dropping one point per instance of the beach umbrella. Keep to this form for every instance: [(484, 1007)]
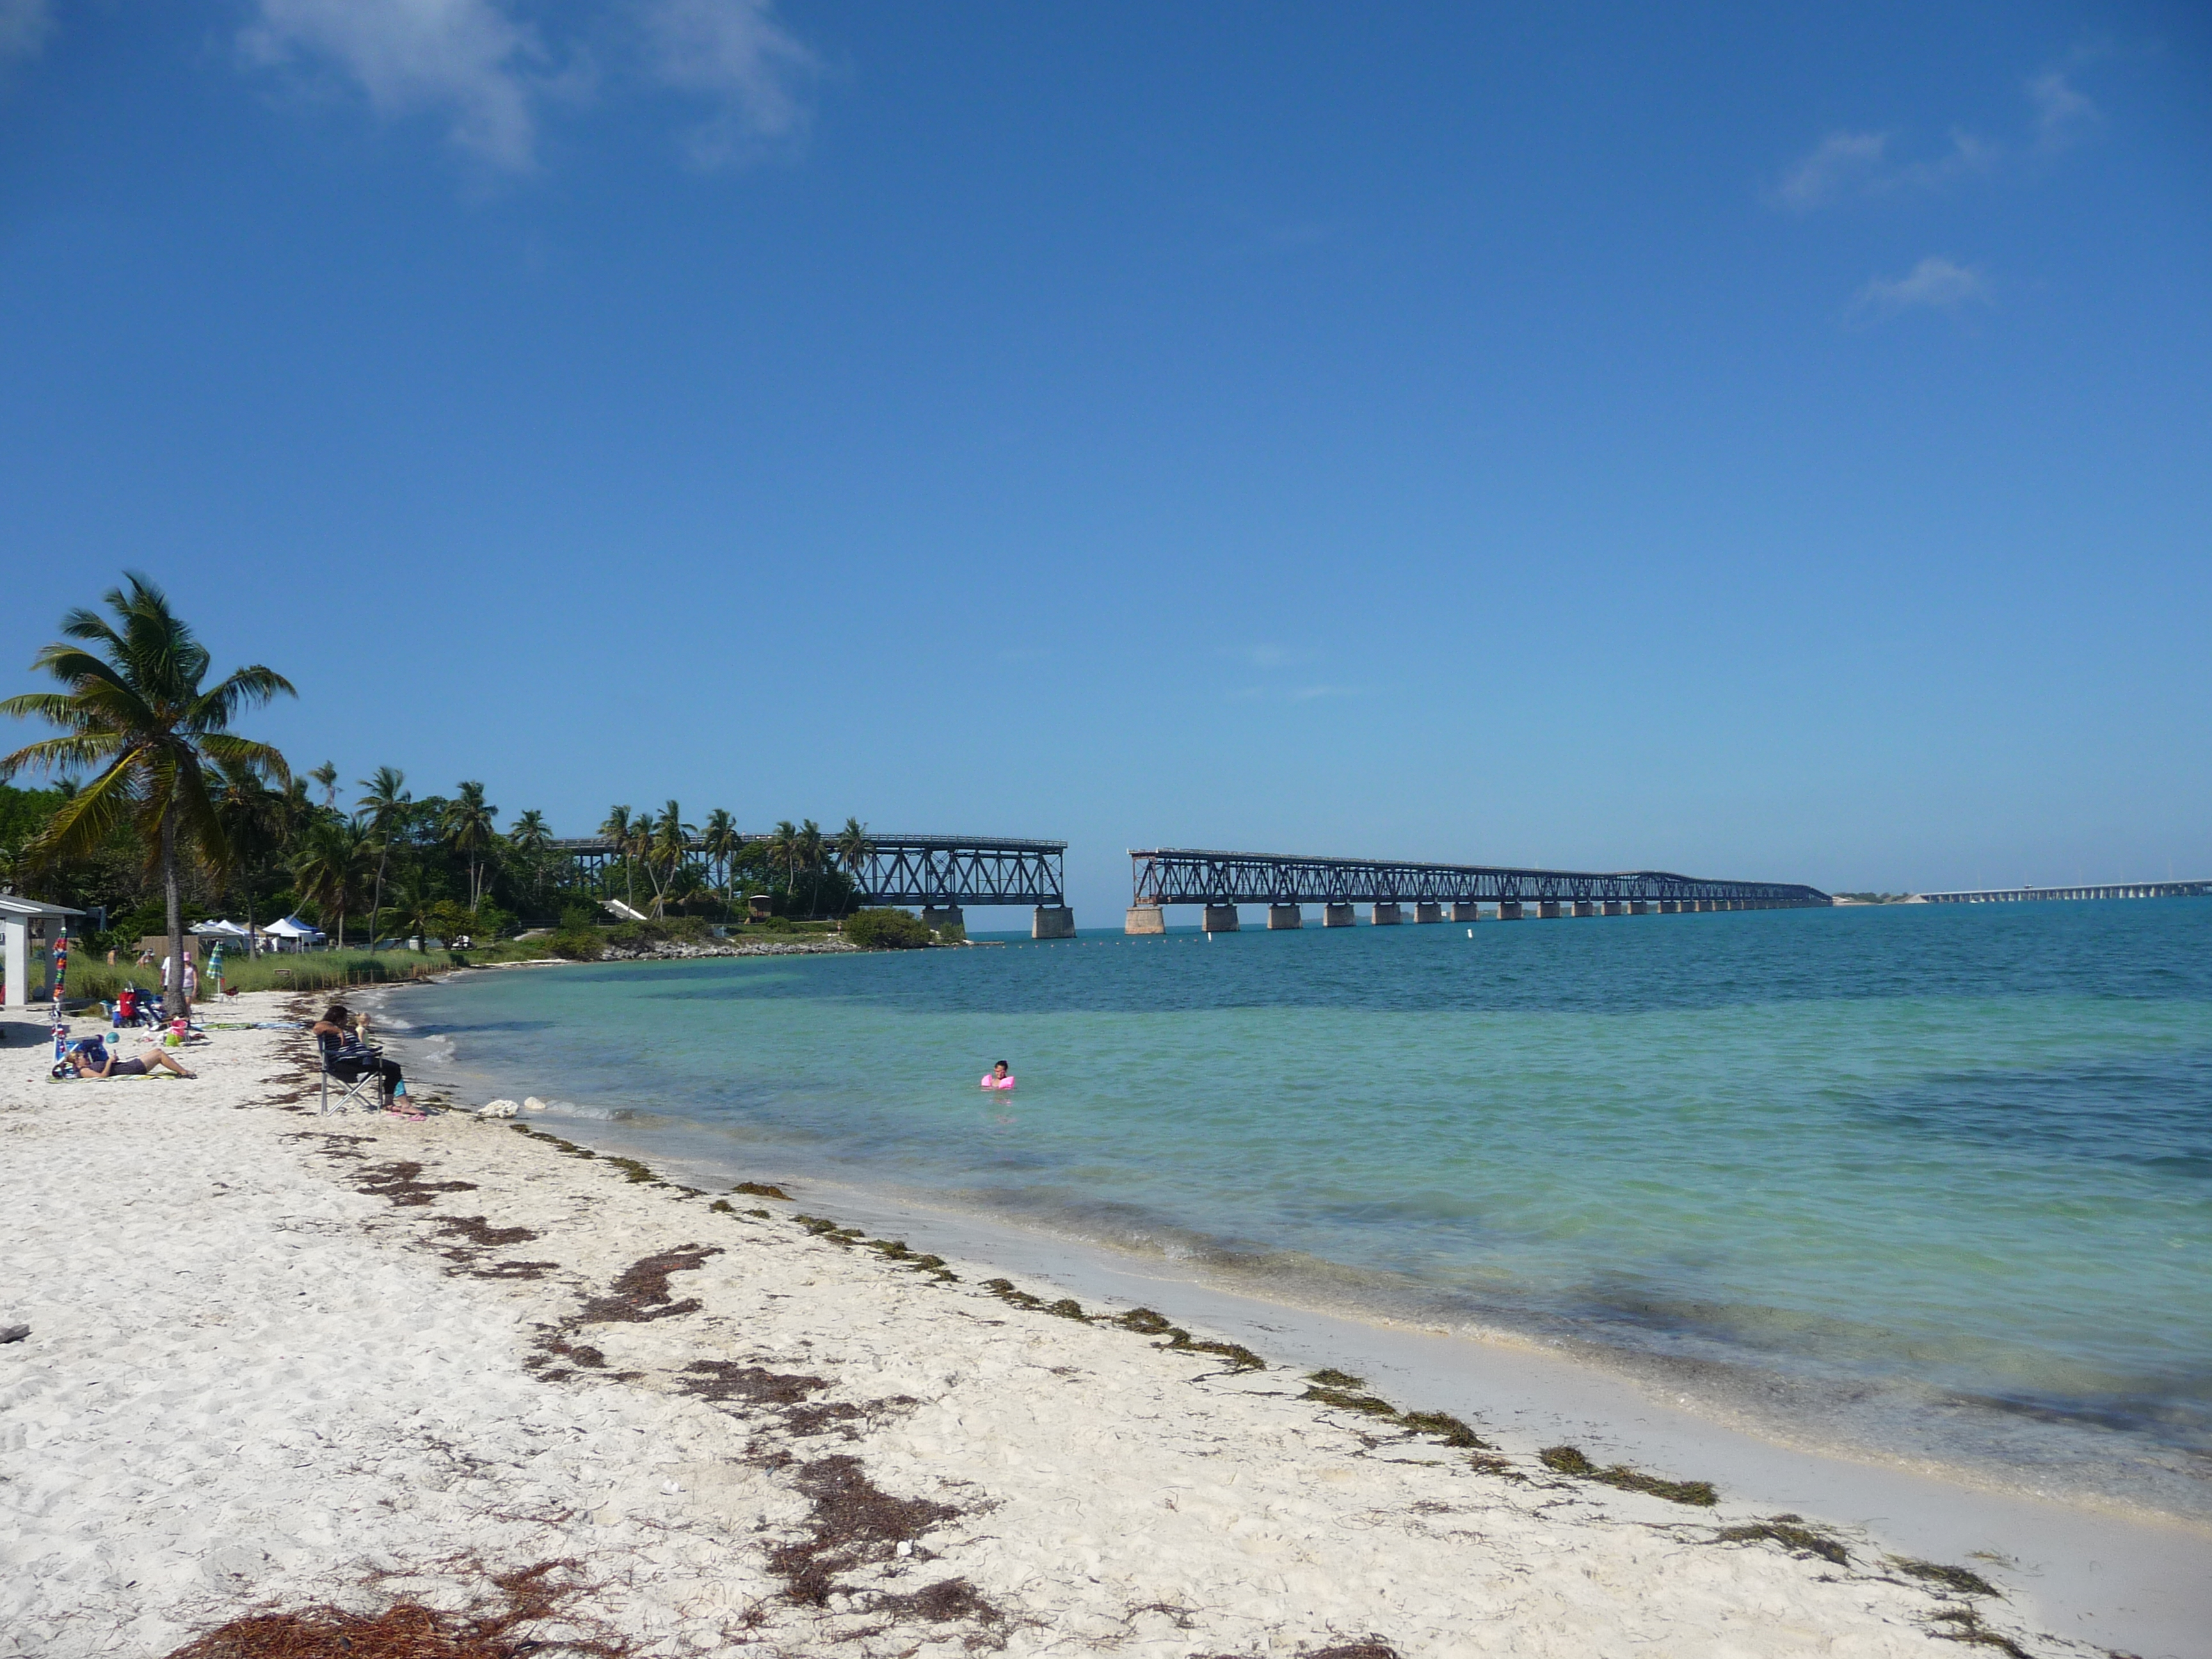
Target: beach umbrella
[(215, 966)]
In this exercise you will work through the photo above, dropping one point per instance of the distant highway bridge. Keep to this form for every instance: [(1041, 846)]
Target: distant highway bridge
[(1221, 881), (2111, 889), (938, 873)]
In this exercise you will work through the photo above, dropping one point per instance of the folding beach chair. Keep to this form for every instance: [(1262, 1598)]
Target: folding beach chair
[(330, 1044)]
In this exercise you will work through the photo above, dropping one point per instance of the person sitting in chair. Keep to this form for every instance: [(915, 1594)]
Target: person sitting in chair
[(350, 1058)]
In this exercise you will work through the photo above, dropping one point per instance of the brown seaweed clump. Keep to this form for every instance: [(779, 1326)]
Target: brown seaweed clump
[(642, 1293), (530, 1596), (1790, 1532), (853, 1521), (1571, 1460), (1960, 1581)]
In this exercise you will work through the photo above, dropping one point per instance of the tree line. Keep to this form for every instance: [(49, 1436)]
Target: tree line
[(182, 817)]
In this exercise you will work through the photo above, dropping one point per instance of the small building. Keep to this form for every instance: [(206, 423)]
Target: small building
[(27, 930)]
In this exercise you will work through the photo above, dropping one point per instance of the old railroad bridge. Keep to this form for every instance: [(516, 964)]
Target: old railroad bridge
[(1222, 881), (938, 874)]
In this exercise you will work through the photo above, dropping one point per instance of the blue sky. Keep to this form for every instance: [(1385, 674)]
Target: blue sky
[(1747, 440)]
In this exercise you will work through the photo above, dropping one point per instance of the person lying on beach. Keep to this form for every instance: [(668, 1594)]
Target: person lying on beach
[(998, 1077), (91, 1059), (352, 1059)]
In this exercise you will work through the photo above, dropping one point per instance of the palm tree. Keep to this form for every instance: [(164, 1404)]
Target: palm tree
[(256, 820), (139, 711), (720, 840), (853, 847), (328, 866), (671, 846), (469, 827), (616, 828), (532, 841), (384, 802), (811, 847), (326, 778), (783, 849)]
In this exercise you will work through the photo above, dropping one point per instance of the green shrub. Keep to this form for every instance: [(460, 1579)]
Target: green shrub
[(886, 930), (576, 944)]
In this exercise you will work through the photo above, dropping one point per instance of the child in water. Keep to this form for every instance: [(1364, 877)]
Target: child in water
[(998, 1077)]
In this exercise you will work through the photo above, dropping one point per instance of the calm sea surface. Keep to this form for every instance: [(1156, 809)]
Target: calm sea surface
[(1937, 1179)]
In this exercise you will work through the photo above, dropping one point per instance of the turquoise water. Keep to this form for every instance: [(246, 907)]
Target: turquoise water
[(1938, 1179)]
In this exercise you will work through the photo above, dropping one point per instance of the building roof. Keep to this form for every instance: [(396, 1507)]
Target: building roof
[(14, 904)]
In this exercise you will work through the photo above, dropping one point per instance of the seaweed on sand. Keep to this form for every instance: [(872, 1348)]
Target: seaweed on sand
[(400, 1182), (478, 1230), (1965, 1626), (1961, 1581), (528, 1597), (760, 1189), (1344, 1399), (1790, 1532), (853, 1521), (1339, 1390), (1571, 1459), (1447, 1428), (642, 1293)]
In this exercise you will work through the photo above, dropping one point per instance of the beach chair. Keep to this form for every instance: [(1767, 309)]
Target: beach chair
[(348, 1088)]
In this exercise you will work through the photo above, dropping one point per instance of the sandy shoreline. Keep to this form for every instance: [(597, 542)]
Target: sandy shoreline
[(275, 1359)]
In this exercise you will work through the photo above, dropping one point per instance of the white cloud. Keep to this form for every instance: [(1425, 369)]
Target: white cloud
[(24, 27), (735, 51), (1839, 162), (1859, 164), (1937, 282), (1967, 156), (466, 60), (2060, 111)]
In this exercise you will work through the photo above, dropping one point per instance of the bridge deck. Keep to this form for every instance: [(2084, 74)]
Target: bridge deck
[(2110, 890), (1191, 876)]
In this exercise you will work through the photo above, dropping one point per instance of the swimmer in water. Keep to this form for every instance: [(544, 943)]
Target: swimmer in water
[(998, 1077)]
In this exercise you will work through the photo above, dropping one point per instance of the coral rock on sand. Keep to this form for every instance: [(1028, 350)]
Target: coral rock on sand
[(500, 1108), (531, 1103)]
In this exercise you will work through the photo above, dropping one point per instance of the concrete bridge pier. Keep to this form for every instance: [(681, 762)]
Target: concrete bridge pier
[(1508, 910), (1548, 909), (1386, 916), (1585, 906), (1052, 921), (1145, 919), (1284, 915), (1641, 906), (1220, 919), (1616, 907), (1426, 912), (1336, 915), (936, 918), (1465, 911)]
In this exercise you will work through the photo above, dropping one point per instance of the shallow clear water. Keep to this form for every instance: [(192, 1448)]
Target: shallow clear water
[(1940, 1178)]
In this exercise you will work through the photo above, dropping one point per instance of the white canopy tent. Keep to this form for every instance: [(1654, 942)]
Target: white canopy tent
[(290, 930)]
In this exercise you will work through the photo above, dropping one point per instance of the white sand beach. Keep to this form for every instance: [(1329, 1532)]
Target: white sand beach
[(276, 1359)]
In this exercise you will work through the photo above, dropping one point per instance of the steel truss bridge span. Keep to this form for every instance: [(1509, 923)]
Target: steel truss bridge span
[(939, 874), (1186, 876)]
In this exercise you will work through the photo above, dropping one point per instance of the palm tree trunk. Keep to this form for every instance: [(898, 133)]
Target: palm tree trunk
[(376, 902), (182, 1004)]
